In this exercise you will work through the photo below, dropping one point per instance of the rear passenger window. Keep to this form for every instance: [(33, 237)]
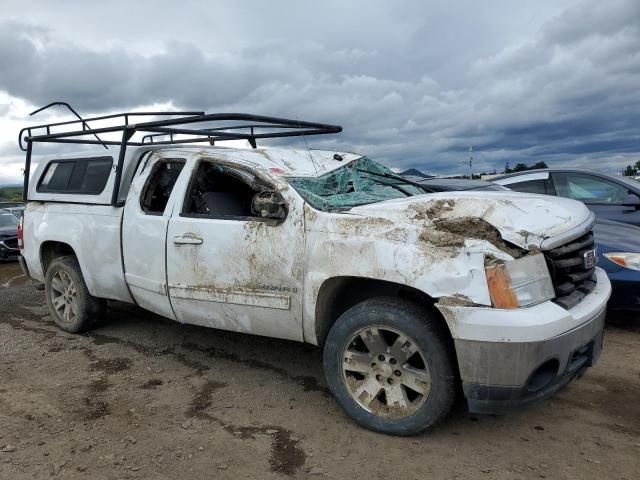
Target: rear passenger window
[(531, 186), (157, 190), (80, 175)]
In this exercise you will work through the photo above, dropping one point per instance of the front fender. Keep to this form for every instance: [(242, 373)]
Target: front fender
[(436, 271)]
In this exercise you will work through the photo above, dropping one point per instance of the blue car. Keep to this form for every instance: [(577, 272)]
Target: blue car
[(618, 247)]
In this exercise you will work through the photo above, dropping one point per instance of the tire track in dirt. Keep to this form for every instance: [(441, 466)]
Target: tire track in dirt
[(286, 456)]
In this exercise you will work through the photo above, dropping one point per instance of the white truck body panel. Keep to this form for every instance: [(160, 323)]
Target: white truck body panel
[(144, 248), (243, 275), (92, 231)]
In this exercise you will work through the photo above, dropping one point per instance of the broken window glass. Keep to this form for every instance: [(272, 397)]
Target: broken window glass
[(360, 182), (220, 192), (157, 190)]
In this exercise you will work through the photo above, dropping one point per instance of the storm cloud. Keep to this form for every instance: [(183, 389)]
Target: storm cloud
[(412, 85)]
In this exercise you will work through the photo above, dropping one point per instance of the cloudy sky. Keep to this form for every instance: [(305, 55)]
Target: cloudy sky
[(414, 83)]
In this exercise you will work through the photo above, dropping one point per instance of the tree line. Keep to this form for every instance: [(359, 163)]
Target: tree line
[(519, 167), (10, 194), (632, 170)]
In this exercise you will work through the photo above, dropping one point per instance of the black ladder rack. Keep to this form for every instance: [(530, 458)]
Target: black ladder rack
[(162, 132)]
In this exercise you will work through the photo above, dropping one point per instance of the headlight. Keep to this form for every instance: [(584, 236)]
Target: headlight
[(520, 283), (625, 259)]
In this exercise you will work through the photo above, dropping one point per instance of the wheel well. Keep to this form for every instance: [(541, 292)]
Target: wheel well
[(50, 250), (338, 294)]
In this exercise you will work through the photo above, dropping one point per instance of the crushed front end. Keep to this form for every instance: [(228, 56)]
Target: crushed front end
[(544, 329)]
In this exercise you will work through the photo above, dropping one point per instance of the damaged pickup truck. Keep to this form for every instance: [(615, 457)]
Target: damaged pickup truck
[(414, 294)]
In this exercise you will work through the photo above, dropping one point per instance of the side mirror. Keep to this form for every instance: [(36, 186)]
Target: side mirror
[(632, 200), (269, 204)]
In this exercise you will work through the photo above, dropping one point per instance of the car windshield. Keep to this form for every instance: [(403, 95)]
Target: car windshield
[(360, 182), (8, 220)]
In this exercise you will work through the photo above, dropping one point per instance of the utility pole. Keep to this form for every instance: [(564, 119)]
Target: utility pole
[(469, 162)]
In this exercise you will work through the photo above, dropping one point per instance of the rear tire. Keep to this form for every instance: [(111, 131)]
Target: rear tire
[(391, 366), (71, 305)]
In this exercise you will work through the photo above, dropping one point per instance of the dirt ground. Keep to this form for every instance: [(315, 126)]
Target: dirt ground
[(142, 397)]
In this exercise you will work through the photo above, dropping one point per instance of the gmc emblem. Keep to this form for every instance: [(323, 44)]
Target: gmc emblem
[(589, 259)]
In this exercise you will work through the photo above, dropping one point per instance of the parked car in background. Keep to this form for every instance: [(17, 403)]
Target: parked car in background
[(8, 236), (617, 246), (16, 211), (610, 197), (456, 184), (4, 205)]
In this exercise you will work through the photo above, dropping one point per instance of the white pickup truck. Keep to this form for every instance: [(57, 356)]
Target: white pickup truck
[(411, 293)]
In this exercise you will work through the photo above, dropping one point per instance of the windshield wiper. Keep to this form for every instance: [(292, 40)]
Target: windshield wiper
[(424, 188), (395, 186)]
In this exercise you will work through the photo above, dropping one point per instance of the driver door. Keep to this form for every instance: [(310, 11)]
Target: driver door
[(229, 268)]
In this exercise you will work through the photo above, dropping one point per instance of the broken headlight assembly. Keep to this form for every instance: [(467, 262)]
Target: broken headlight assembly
[(519, 283), (625, 259)]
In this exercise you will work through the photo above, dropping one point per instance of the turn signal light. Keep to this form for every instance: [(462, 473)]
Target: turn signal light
[(499, 281), (519, 283)]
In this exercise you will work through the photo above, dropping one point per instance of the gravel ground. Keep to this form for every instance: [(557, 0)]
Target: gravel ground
[(142, 397)]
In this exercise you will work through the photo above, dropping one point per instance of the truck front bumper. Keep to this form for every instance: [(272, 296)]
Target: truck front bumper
[(512, 358), (546, 366)]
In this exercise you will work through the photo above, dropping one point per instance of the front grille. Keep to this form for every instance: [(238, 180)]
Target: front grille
[(11, 242), (572, 280)]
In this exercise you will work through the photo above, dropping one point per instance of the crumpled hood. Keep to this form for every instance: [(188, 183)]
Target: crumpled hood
[(525, 220)]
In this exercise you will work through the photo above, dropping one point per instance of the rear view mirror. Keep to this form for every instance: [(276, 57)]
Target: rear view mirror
[(269, 204), (632, 200)]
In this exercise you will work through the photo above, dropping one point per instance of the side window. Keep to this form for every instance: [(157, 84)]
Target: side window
[(530, 186), (159, 185), (589, 188), (220, 192), (79, 176)]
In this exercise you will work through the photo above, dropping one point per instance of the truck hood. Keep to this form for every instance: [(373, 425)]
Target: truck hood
[(524, 220)]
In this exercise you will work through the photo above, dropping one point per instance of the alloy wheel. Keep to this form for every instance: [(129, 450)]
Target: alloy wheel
[(64, 296), (386, 372)]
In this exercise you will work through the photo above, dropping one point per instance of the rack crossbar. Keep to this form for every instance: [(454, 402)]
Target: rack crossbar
[(256, 126)]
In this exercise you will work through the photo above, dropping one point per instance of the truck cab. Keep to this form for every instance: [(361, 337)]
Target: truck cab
[(411, 293)]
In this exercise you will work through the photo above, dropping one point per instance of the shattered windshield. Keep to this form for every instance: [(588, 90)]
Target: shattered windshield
[(360, 182)]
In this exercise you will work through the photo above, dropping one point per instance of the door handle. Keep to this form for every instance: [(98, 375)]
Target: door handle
[(187, 239)]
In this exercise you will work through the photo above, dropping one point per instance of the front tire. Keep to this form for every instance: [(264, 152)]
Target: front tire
[(391, 366), (71, 305)]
